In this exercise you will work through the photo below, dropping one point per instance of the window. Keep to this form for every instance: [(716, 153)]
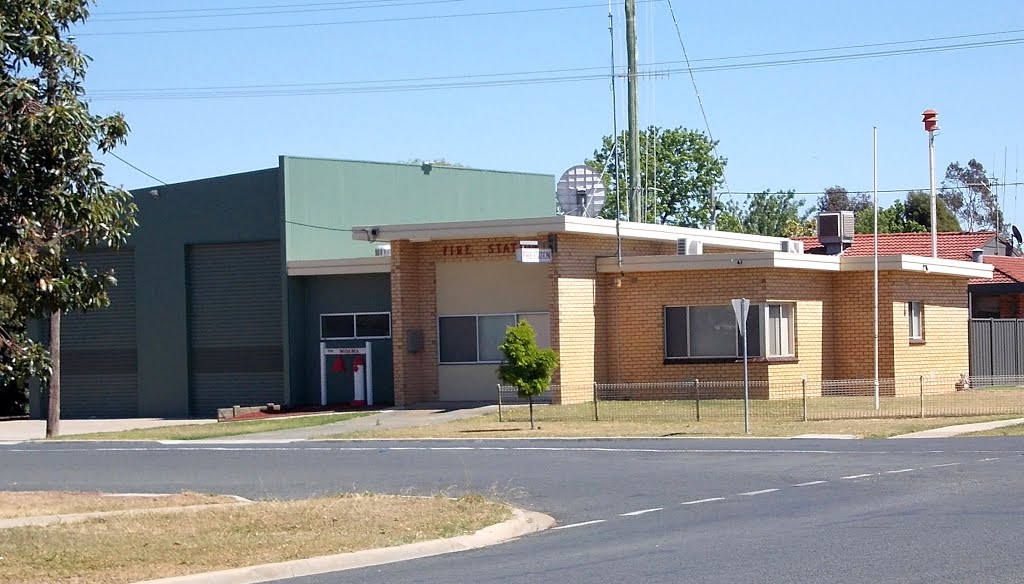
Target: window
[(475, 338), (708, 332), (914, 315), (360, 325)]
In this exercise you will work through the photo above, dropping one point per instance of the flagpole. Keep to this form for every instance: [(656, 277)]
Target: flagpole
[(875, 230)]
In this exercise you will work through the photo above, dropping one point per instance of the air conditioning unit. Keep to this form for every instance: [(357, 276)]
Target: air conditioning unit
[(791, 246), (836, 227), (686, 246), (382, 250)]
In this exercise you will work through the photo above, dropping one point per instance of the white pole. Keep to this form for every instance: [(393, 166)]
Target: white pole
[(875, 213), (369, 373), (323, 373), (931, 186), (746, 376)]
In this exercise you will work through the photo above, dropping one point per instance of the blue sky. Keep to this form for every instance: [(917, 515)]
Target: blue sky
[(802, 126)]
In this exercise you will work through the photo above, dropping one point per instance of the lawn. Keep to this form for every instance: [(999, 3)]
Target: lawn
[(218, 430), (1007, 431), (35, 503), (129, 548), (488, 426)]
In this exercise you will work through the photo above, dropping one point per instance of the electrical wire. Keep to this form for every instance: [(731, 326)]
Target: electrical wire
[(283, 10), (369, 3), (487, 79), (348, 22), (136, 168)]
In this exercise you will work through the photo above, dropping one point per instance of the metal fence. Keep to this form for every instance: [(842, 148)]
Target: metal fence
[(997, 346), (847, 399)]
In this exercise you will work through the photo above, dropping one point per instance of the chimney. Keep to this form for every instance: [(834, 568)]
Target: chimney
[(835, 231), (977, 254)]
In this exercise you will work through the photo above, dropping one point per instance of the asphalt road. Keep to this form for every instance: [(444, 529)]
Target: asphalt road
[(656, 511)]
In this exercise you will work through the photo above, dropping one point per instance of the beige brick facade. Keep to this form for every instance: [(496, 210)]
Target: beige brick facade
[(610, 329)]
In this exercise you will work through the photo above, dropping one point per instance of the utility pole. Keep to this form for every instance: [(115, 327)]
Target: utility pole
[(931, 123), (634, 130)]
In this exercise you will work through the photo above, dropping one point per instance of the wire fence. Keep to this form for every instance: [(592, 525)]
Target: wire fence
[(922, 396)]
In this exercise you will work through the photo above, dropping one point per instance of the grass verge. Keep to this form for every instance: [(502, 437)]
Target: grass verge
[(488, 426), (218, 430), (35, 503), (1007, 431), (129, 548)]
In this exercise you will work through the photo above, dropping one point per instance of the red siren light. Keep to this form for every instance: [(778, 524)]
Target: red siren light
[(930, 118)]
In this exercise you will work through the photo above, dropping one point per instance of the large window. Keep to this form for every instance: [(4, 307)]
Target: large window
[(707, 332), (915, 318), (359, 325), (475, 338)]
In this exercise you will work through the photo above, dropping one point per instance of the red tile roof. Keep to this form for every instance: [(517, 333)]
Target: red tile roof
[(1005, 270), (952, 245)]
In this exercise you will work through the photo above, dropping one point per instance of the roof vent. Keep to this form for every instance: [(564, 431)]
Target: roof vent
[(835, 231), (686, 246), (382, 250), (977, 255)]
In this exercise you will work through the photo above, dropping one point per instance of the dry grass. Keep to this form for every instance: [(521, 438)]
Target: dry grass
[(488, 426), (35, 503), (131, 548), (218, 430), (1007, 431)]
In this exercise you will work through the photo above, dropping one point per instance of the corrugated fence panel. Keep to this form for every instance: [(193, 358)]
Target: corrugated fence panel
[(997, 347), (1004, 347), (98, 348), (236, 354)]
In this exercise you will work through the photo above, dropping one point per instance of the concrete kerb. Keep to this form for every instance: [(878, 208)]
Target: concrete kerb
[(960, 429), (522, 523)]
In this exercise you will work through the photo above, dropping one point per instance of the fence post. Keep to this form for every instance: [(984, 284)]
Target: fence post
[(803, 393), (596, 419), (920, 383), (499, 404), (696, 391)]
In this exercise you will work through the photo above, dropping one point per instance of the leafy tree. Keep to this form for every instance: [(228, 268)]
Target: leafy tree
[(53, 197), (919, 210), (439, 162), (679, 163), (526, 367), (835, 198), (970, 194), (777, 214)]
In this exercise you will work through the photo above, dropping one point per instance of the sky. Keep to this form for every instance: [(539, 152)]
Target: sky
[(291, 77)]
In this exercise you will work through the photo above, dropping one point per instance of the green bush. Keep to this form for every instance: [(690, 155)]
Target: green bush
[(526, 367)]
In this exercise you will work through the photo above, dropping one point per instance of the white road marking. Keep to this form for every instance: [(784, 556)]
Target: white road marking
[(581, 524), (857, 476), (900, 470), (9, 443), (761, 492), (641, 512), (452, 448), (942, 465), (698, 501), (989, 459), (809, 483)]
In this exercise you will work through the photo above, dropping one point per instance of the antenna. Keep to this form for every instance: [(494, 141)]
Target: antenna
[(580, 192)]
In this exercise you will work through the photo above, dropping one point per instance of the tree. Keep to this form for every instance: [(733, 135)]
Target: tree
[(970, 194), (835, 199), (919, 210), (679, 169), (777, 214), (526, 367), (53, 198), (439, 162)]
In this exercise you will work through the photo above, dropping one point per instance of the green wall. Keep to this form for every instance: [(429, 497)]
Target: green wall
[(342, 294), (338, 194), (234, 208)]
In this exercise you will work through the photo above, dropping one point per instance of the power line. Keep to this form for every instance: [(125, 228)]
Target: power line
[(348, 22), (230, 8), (467, 81), (276, 10), (312, 226), (136, 168), (822, 192)]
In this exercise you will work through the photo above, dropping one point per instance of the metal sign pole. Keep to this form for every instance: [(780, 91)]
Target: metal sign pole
[(741, 306)]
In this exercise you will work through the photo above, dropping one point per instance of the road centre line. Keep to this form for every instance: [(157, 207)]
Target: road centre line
[(761, 492), (641, 512), (943, 465), (581, 524), (989, 459), (809, 483), (699, 501), (900, 470), (857, 476)]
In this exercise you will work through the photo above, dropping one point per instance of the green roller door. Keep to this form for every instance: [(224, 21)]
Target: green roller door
[(98, 350), (235, 327)]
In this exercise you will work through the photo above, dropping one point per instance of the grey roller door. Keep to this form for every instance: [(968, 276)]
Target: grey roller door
[(236, 355), (98, 351)]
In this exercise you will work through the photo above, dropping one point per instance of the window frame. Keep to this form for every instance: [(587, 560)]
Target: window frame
[(911, 305), (476, 328), (355, 331), (787, 338)]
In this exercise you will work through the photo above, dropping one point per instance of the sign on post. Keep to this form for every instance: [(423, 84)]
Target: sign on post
[(741, 306)]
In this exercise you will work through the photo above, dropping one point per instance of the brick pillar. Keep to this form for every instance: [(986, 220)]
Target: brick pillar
[(413, 313), (1008, 306)]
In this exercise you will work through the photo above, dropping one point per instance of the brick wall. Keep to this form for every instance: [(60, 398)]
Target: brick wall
[(944, 353)]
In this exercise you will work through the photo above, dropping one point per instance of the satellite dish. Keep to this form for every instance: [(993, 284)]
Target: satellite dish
[(580, 192), (1016, 234)]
